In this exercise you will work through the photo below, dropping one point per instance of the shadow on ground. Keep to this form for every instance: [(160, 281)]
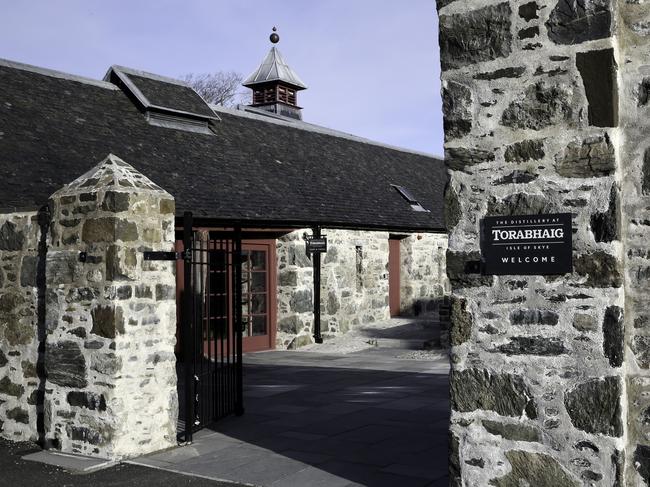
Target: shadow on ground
[(370, 427), (314, 419)]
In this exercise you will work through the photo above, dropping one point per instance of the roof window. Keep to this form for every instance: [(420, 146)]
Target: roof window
[(411, 200)]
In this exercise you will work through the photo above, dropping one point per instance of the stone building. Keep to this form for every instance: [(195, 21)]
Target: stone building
[(96, 174), (546, 111)]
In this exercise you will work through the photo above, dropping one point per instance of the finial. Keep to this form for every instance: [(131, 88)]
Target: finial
[(274, 38)]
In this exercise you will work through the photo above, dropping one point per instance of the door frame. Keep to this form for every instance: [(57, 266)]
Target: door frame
[(394, 276)]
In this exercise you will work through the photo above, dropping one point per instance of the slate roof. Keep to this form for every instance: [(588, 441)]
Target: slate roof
[(274, 68), (254, 169)]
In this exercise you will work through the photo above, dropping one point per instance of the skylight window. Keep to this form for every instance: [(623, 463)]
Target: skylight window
[(408, 196)]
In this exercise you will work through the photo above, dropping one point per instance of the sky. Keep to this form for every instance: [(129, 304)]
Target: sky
[(372, 66)]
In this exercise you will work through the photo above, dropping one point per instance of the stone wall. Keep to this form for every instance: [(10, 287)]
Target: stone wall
[(74, 279), (423, 277), (295, 291), (354, 281), (530, 99), (19, 383)]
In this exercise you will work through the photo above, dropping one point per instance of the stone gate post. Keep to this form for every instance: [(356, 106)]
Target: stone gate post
[(546, 111), (110, 316)]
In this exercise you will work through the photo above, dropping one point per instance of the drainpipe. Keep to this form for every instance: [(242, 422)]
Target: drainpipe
[(316, 261)]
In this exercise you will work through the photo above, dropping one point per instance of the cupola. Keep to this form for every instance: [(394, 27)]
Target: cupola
[(275, 85)]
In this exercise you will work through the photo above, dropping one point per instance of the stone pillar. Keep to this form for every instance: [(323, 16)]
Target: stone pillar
[(544, 391), (110, 321), (633, 33)]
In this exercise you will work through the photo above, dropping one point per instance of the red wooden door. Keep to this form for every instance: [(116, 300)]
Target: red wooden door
[(259, 298), (394, 276), (258, 295)]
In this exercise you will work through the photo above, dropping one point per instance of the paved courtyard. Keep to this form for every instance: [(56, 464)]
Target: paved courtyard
[(376, 417)]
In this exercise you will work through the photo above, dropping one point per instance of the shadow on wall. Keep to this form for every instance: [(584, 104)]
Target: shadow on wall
[(424, 305)]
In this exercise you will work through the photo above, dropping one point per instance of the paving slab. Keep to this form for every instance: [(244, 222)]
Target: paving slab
[(74, 463), (312, 477), (315, 419)]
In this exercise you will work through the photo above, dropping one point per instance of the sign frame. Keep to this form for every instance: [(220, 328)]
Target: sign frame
[(316, 245), (527, 245)]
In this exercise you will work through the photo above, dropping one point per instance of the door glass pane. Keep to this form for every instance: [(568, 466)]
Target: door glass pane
[(245, 262), (258, 282), (245, 327), (245, 302), (254, 292), (258, 304), (259, 325), (258, 260)]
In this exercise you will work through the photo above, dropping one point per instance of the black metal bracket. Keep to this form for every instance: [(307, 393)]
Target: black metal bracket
[(164, 256)]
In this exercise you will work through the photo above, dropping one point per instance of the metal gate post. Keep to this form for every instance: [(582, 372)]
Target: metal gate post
[(188, 326), (239, 369), (318, 338)]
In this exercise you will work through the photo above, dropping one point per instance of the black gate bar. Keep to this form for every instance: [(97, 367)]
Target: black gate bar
[(188, 326), (237, 274)]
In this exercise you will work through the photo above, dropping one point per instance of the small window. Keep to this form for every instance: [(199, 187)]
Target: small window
[(408, 196), (359, 267)]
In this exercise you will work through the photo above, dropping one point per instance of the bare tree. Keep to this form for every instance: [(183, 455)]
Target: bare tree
[(219, 88)]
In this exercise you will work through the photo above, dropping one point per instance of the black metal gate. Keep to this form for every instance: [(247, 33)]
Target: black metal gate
[(211, 375)]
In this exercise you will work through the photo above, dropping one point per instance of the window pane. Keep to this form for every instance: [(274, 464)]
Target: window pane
[(259, 325), (258, 260), (245, 302), (246, 326), (245, 262), (258, 284), (258, 304)]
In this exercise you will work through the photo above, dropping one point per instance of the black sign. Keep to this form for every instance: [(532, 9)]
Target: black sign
[(527, 245), (318, 244)]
